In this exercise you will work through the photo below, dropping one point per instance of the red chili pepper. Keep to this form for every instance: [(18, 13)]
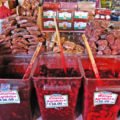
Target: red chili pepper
[(100, 112), (58, 113)]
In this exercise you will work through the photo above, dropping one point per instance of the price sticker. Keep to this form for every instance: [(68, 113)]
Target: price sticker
[(9, 97), (56, 100), (104, 97)]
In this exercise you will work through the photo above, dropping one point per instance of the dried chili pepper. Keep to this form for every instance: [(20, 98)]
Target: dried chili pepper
[(48, 87), (100, 112)]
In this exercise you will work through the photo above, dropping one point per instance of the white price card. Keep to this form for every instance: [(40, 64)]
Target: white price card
[(56, 100), (104, 97), (9, 97)]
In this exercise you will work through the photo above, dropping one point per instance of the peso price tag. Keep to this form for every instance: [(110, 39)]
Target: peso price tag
[(104, 97), (56, 100), (9, 97)]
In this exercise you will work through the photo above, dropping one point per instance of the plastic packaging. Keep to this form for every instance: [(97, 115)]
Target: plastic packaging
[(14, 92), (81, 15), (87, 6), (79, 25), (80, 20), (106, 3), (115, 16), (57, 96), (68, 5), (65, 19), (116, 4), (68, 16), (1, 21), (65, 15), (5, 12), (49, 24), (65, 25), (51, 5), (49, 14), (101, 101), (102, 14)]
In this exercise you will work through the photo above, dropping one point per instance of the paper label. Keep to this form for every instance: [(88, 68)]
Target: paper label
[(81, 15), (49, 24), (9, 97), (80, 25), (65, 25), (49, 14), (65, 16), (56, 100), (104, 97)]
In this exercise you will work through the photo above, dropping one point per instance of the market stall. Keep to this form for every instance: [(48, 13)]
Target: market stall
[(59, 60)]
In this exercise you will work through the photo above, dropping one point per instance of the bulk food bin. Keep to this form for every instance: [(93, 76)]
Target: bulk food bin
[(14, 92), (102, 99), (57, 96)]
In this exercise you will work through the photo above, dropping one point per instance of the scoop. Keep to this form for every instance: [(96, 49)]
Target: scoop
[(60, 46), (29, 72), (94, 66), (40, 10)]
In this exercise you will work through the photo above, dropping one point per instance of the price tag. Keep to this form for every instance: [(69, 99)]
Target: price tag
[(104, 97), (9, 97), (56, 100)]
